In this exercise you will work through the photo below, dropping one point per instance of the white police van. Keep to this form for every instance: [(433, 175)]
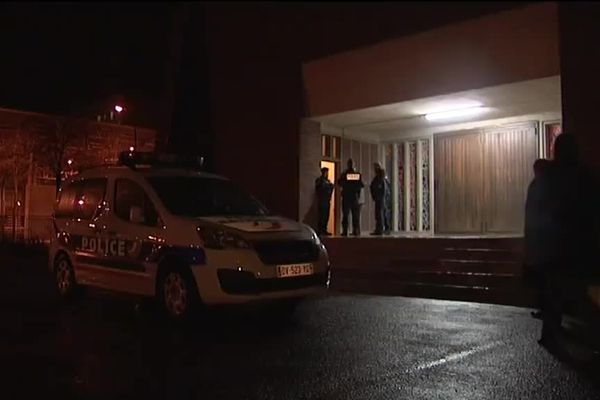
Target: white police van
[(155, 226)]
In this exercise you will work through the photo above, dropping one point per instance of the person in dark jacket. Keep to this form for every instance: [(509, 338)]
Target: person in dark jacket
[(323, 191), (379, 193), (537, 220), (351, 183), (569, 199)]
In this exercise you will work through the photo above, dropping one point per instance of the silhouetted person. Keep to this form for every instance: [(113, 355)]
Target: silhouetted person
[(568, 198), (379, 193), (351, 183), (323, 191), (537, 219)]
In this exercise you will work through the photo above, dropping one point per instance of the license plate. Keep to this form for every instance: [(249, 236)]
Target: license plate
[(286, 271)]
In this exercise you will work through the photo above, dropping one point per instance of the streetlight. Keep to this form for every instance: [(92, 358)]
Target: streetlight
[(69, 161), (119, 108)]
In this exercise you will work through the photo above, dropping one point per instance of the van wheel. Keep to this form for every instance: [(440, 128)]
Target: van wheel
[(64, 275), (177, 293)]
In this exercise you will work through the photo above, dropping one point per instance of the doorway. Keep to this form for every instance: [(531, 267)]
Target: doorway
[(481, 179), (331, 225)]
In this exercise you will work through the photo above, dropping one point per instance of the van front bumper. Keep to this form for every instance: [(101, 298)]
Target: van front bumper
[(237, 286)]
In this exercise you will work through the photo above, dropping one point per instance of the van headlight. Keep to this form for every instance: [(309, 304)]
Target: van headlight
[(219, 239)]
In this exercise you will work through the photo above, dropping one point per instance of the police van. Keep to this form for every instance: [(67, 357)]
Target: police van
[(157, 226)]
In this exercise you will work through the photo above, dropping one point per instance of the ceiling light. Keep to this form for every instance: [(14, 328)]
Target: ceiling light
[(461, 112)]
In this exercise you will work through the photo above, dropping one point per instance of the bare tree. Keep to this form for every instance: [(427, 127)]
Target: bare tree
[(5, 175), (58, 144), (17, 149)]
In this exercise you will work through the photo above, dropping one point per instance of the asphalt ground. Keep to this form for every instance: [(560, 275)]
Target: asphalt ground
[(341, 346)]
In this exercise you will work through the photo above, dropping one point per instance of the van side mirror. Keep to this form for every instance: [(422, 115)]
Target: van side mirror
[(136, 215)]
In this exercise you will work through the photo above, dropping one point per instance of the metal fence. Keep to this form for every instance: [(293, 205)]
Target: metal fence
[(39, 229)]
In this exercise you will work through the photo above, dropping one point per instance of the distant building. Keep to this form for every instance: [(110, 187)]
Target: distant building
[(35, 147)]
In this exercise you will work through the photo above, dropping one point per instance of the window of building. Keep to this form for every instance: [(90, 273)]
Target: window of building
[(326, 146), (331, 147), (129, 194), (337, 144), (552, 130)]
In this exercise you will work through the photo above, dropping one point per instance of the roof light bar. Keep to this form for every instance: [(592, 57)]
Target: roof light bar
[(135, 159)]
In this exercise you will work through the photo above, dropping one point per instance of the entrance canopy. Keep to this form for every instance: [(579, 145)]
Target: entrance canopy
[(459, 163), (533, 100)]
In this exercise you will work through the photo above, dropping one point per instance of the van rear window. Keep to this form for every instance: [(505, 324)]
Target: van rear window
[(81, 199)]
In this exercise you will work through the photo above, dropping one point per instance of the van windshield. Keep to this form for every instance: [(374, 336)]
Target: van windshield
[(204, 197)]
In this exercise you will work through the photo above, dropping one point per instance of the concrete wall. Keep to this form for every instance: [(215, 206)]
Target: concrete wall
[(580, 78), (309, 168), (501, 48)]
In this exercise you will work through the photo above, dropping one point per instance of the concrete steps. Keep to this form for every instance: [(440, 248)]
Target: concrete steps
[(434, 277), (482, 270), (520, 296)]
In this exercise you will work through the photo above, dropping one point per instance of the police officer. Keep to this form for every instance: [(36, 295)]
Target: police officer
[(351, 183), (323, 190), (379, 193)]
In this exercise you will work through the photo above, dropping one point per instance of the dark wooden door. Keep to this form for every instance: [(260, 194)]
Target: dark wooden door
[(459, 183), (509, 154), (481, 179)]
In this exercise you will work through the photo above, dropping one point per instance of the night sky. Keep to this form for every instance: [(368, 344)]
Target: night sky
[(210, 74), (78, 58)]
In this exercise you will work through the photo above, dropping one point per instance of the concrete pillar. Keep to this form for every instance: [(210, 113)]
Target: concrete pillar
[(419, 187), (394, 177), (28, 185), (406, 191), (309, 170), (580, 81)]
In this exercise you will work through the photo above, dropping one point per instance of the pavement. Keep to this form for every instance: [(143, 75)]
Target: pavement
[(341, 346)]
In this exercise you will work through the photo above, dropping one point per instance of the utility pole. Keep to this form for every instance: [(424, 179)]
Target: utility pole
[(28, 187)]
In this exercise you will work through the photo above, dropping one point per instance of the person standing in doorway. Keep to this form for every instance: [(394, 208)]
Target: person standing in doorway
[(323, 191), (379, 188), (351, 183)]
